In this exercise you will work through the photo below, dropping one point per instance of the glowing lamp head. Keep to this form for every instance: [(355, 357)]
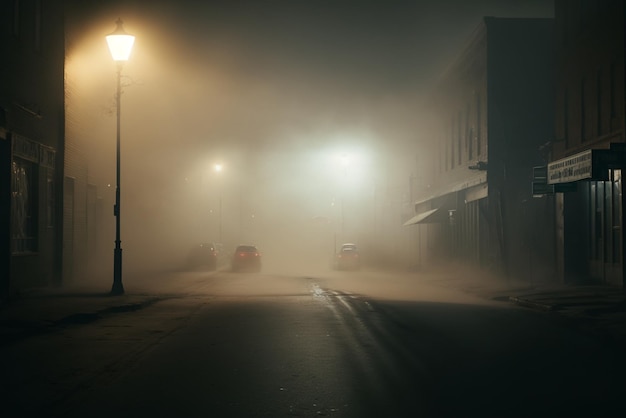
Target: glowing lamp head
[(120, 43)]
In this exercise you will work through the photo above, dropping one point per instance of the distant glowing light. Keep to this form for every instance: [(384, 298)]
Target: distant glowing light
[(345, 160)]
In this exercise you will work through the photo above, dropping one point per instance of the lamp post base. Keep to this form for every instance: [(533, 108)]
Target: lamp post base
[(118, 287)]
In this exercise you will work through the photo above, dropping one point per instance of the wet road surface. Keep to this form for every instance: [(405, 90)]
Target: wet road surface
[(261, 345)]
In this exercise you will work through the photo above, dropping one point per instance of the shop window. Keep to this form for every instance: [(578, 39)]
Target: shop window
[(23, 206)]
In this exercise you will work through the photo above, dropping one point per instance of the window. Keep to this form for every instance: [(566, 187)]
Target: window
[(23, 206)]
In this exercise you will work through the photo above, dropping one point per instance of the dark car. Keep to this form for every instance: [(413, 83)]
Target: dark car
[(203, 256), (348, 258), (246, 258)]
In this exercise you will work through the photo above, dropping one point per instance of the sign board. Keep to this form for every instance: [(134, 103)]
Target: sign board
[(592, 164), (573, 168)]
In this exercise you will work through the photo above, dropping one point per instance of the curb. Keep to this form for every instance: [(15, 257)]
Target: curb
[(85, 318), (14, 331)]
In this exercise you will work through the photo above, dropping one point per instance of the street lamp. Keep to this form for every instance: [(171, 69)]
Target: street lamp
[(120, 45), (218, 169)]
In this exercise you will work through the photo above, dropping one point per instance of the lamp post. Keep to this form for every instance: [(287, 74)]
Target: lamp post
[(120, 45), (218, 169)]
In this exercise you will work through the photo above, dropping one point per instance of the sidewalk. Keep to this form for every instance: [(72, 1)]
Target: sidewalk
[(599, 309), (38, 311)]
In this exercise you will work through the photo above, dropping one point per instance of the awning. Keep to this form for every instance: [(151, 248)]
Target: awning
[(475, 180), (430, 216)]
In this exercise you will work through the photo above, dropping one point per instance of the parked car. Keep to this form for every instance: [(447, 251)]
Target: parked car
[(348, 258), (203, 256), (246, 258)]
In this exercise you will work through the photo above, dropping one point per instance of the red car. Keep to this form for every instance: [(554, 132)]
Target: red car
[(246, 258)]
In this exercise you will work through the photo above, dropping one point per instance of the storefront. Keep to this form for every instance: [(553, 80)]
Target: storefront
[(590, 203)]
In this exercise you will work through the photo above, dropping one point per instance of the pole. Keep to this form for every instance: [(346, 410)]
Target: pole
[(220, 232), (118, 287), (343, 220)]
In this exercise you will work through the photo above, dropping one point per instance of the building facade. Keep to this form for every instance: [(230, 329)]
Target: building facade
[(487, 121), (587, 153), (31, 144), (81, 193)]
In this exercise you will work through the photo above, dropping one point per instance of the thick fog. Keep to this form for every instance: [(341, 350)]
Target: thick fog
[(311, 108)]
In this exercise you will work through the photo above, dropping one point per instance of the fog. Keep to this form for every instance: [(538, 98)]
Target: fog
[(279, 94)]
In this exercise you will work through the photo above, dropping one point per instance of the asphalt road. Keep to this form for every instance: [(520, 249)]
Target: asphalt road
[(351, 344)]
